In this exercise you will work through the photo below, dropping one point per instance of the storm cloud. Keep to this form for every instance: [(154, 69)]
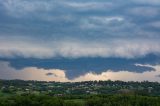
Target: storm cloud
[(80, 29)]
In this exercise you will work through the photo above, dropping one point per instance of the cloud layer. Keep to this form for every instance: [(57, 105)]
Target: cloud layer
[(75, 48), (33, 73), (79, 29), (67, 28)]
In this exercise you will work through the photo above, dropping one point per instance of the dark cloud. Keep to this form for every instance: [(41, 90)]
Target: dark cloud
[(49, 74), (81, 66), (57, 19), (88, 35), (158, 76)]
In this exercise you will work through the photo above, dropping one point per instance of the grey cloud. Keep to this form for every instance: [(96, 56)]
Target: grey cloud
[(49, 74), (77, 48), (18, 7), (155, 24), (30, 73), (157, 75), (104, 30), (149, 2), (85, 6), (145, 11), (33, 73)]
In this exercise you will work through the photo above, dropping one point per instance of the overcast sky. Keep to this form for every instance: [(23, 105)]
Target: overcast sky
[(44, 30)]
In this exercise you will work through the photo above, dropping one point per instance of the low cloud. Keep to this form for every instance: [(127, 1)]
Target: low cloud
[(146, 11), (90, 5), (49, 74), (76, 48), (33, 73), (150, 2), (22, 7), (158, 76), (155, 24), (52, 19), (121, 75)]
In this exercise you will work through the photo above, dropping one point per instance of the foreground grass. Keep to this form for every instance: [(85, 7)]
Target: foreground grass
[(85, 100)]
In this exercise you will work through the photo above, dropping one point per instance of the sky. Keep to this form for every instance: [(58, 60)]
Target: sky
[(80, 40)]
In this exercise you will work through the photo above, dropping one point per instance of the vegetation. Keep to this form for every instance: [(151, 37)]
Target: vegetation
[(91, 100), (91, 93)]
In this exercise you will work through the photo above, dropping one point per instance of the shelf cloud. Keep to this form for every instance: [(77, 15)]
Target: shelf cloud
[(76, 49), (74, 29), (33, 73)]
